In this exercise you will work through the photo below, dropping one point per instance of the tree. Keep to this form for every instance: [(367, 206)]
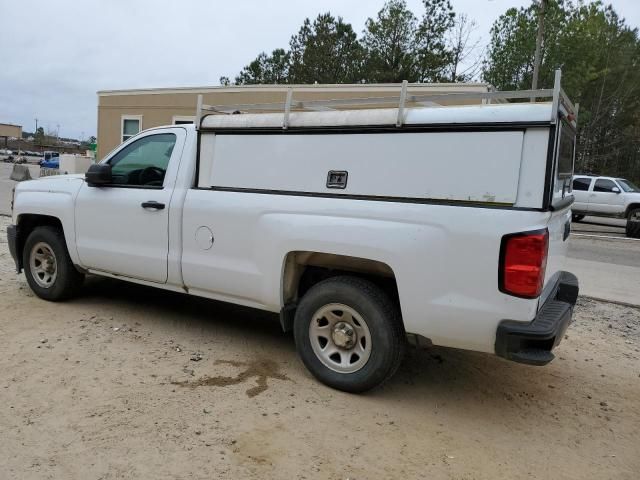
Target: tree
[(395, 46), (325, 51), (539, 39), (390, 42), (511, 54), (432, 52), (461, 48), (39, 136), (266, 69), (600, 59)]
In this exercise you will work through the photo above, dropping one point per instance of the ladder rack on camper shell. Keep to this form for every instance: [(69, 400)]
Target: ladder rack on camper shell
[(557, 96)]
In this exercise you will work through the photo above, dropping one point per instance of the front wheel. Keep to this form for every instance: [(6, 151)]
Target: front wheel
[(349, 334), (634, 215), (47, 266)]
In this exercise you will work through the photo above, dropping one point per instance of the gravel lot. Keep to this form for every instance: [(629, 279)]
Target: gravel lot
[(130, 382)]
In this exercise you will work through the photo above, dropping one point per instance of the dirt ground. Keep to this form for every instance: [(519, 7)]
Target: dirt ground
[(130, 382)]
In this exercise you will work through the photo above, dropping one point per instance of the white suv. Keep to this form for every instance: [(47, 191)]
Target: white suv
[(605, 197)]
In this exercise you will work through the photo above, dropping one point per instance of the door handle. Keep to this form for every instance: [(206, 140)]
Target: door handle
[(153, 204)]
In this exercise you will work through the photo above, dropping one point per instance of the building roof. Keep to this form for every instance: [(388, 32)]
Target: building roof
[(449, 87)]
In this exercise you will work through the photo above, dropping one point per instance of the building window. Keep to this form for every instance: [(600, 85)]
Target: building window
[(182, 120), (131, 125)]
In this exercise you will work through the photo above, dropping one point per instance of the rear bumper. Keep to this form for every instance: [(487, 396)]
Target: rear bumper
[(531, 343), (12, 240)]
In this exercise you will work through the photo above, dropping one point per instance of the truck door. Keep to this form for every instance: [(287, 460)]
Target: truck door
[(606, 197), (123, 228)]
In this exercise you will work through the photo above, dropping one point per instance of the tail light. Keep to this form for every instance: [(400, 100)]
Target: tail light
[(523, 260)]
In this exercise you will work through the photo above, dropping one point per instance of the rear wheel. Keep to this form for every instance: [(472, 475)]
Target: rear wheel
[(349, 334), (48, 268), (633, 229)]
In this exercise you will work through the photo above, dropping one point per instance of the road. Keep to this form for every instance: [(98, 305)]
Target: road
[(606, 262), (599, 226)]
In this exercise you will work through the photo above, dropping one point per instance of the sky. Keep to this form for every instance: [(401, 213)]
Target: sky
[(55, 55)]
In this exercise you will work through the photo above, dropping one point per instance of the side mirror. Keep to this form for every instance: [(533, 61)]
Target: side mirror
[(615, 190), (98, 174)]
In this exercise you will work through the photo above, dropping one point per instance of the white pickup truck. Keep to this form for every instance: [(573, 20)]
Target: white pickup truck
[(359, 227), (605, 197)]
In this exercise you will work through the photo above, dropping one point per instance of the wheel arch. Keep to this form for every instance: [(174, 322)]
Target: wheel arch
[(26, 223), (630, 207), (301, 269)]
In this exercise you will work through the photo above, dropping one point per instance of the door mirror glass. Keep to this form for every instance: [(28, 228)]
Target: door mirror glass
[(98, 174)]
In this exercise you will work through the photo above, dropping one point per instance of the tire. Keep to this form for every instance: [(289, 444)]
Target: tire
[(47, 266), (577, 218), (634, 215), (349, 304), (633, 229)]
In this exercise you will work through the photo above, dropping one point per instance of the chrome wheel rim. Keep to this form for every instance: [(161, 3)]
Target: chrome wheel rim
[(340, 338), (43, 265), (635, 216)]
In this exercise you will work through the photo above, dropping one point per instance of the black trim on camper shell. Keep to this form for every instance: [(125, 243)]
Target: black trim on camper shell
[(532, 342), (355, 129), (553, 150), (548, 175), (562, 204), (197, 174), (371, 198)]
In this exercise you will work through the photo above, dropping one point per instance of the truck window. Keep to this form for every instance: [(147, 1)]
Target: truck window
[(564, 161), (144, 162), (604, 185), (566, 151), (627, 186), (581, 183)]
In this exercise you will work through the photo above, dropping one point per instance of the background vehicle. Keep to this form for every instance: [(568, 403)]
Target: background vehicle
[(605, 197), (356, 226), (50, 160), (52, 163)]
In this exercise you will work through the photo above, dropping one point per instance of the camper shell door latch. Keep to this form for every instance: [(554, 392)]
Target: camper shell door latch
[(337, 179)]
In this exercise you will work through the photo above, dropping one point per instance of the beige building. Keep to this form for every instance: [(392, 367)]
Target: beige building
[(123, 113), (8, 131)]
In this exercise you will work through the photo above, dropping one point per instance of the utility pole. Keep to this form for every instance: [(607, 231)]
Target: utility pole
[(36, 130), (539, 39)]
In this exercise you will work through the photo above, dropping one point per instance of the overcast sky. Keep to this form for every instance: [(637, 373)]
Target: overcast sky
[(55, 55)]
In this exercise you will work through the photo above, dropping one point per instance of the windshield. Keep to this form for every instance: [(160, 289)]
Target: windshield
[(627, 186)]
